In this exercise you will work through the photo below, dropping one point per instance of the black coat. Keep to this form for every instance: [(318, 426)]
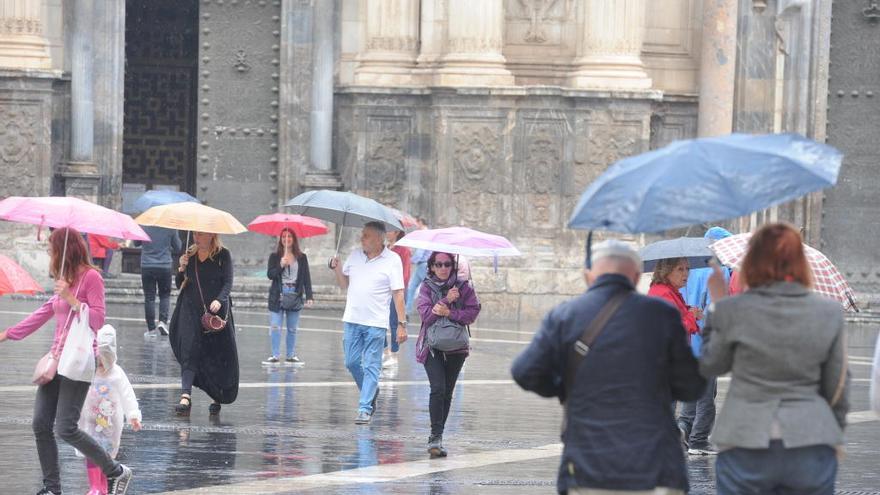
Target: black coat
[(213, 357), (621, 433), (303, 279)]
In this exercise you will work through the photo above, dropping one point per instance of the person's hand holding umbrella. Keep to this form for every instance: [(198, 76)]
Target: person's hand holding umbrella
[(62, 290)]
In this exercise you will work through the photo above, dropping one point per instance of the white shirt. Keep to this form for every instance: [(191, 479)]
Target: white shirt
[(370, 283)]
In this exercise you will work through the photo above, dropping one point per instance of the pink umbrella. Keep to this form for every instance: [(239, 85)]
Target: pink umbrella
[(406, 220), (827, 280), (15, 280), (273, 225), (460, 240), (74, 213)]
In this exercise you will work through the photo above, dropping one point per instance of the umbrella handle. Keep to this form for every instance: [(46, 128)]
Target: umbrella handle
[(588, 263), (330, 264)]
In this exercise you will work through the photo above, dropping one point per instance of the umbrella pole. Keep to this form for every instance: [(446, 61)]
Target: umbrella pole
[(338, 242), (588, 263), (63, 253)]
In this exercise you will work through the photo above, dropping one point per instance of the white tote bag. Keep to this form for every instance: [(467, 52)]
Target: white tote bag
[(77, 361)]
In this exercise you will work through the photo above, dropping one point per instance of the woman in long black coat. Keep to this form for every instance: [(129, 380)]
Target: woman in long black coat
[(207, 360)]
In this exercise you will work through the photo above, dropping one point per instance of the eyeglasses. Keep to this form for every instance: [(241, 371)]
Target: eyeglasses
[(442, 264)]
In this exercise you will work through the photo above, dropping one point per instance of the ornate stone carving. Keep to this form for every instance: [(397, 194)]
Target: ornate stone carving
[(386, 163), (17, 134), (609, 143), (537, 13), (543, 158), (475, 45), (476, 155), (393, 44), (21, 25)]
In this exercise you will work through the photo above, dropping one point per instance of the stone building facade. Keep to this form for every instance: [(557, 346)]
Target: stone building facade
[(490, 113)]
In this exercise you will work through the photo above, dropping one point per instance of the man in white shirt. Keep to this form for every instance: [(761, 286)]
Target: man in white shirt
[(372, 275)]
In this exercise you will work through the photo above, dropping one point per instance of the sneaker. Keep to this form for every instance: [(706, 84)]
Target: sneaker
[(363, 418), (390, 361), (293, 360), (46, 491), (707, 450), (435, 446), (271, 361), (118, 485), (150, 334), (163, 328)]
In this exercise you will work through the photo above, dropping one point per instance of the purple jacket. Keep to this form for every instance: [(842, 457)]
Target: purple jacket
[(465, 312)]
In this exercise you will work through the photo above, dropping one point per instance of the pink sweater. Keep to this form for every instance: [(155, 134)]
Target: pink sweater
[(91, 292)]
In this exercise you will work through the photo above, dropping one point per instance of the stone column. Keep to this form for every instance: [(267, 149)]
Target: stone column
[(321, 173), (22, 43), (610, 45), (717, 68), (82, 93), (474, 42), (392, 43)]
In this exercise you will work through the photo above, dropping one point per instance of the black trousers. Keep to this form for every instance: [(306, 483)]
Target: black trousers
[(442, 370), (153, 278)]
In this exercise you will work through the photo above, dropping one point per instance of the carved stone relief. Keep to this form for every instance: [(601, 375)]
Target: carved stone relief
[(478, 175), (385, 164), (542, 158), (18, 137), (537, 21)]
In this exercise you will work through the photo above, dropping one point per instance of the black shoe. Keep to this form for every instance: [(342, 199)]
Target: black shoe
[(46, 491), (214, 409), (375, 400), (435, 446), (183, 408), (118, 485)]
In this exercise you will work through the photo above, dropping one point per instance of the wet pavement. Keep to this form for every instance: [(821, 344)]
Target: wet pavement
[(291, 429)]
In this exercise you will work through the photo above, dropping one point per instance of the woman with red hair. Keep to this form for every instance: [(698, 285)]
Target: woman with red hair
[(60, 400), (785, 348)]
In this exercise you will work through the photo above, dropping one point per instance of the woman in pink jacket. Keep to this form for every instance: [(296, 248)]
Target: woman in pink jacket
[(59, 402)]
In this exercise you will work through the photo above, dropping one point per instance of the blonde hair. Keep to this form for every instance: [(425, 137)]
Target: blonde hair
[(216, 246), (664, 268)]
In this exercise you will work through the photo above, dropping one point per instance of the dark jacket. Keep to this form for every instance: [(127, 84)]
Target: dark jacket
[(164, 243), (621, 434), (303, 280)]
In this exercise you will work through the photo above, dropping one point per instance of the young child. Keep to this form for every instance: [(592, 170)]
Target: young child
[(110, 398)]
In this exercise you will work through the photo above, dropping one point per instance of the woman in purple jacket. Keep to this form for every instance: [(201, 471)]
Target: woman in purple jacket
[(443, 295)]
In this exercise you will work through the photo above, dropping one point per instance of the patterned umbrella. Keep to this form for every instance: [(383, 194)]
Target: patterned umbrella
[(827, 280)]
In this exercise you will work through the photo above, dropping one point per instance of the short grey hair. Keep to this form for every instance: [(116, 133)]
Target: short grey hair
[(377, 226)]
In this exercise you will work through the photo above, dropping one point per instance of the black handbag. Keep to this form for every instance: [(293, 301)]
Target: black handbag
[(291, 301)]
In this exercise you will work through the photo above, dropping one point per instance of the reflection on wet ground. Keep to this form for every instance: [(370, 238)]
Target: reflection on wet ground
[(292, 430)]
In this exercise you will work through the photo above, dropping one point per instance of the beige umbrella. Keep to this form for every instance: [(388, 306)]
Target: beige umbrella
[(194, 217)]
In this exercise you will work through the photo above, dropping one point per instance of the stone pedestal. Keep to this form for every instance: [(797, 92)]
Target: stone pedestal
[(22, 42), (475, 40), (609, 51), (318, 180), (392, 43)]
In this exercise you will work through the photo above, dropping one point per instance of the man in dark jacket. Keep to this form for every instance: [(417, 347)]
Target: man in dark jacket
[(620, 433), (156, 275)]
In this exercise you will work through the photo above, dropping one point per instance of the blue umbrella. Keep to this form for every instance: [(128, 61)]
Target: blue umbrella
[(343, 208), (705, 180), (158, 198), (695, 249)]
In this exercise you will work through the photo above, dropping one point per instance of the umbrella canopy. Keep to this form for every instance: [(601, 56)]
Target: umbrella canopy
[(408, 221), (273, 225), (459, 240), (15, 280), (343, 208), (705, 180), (158, 198), (75, 213), (695, 249), (827, 280), (191, 216)]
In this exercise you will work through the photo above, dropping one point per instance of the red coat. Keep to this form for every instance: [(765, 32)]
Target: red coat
[(405, 257), (99, 244), (673, 295)]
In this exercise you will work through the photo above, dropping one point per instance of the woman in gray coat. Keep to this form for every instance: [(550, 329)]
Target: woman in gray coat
[(785, 347)]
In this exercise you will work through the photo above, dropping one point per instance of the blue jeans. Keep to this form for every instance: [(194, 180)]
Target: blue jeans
[(275, 321), (777, 470), (415, 281), (697, 418), (363, 358), (392, 324)]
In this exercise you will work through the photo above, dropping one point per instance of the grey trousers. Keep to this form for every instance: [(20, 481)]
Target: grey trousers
[(596, 491), (56, 412)]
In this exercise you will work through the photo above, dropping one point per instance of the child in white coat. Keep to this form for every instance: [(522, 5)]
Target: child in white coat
[(110, 399)]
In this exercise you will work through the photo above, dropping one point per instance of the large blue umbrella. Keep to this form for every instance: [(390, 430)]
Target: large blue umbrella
[(695, 249), (158, 198), (343, 208), (705, 180)]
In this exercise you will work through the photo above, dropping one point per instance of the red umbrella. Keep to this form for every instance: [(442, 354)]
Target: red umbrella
[(408, 221), (14, 280), (301, 226)]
